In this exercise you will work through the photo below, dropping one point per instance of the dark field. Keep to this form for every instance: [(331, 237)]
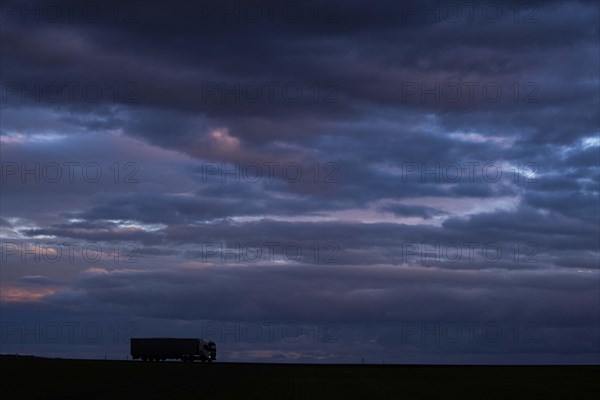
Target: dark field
[(39, 378)]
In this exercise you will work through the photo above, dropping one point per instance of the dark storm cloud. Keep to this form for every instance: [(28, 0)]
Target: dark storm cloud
[(298, 54), (381, 298)]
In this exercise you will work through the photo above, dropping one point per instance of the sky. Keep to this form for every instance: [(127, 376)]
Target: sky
[(304, 181)]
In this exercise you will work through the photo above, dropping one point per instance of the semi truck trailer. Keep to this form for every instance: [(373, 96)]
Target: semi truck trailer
[(160, 349)]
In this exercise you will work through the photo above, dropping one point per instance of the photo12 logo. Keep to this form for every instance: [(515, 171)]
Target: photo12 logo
[(252, 12), (268, 252), (470, 252), (90, 92), (468, 92), (468, 171), (72, 332), (70, 252), (270, 332), (69, 12), (472, 332), (469, 12), (271, 92), (269, 172), (69, 172)]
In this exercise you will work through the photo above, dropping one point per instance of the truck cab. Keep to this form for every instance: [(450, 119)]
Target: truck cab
[(213, 351), (209, 351)]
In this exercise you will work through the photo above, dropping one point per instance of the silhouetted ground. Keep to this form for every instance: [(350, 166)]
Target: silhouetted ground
[(41, 378)]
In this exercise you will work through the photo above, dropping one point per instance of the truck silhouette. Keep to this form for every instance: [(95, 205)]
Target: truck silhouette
[(160, 349)]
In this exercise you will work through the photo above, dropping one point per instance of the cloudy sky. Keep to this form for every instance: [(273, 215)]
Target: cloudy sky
[(322, 182)]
